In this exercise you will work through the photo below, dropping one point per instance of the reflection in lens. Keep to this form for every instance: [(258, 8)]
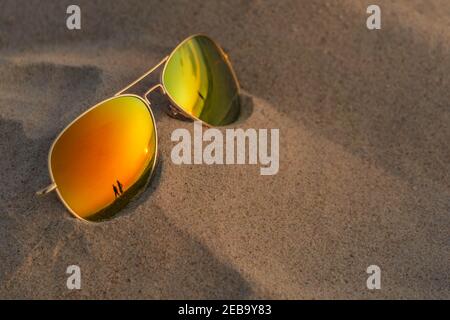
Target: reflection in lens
[(105, 157), (199, 80)]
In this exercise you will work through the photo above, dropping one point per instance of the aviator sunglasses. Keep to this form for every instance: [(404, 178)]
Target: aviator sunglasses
[(107, 155)]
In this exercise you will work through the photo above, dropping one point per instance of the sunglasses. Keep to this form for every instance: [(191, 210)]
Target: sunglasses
[(107, 155)]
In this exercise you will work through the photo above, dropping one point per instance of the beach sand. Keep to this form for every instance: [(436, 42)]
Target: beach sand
[(364, 123)]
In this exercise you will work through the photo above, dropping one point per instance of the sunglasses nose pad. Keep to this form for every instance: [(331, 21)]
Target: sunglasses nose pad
[(175, 113)]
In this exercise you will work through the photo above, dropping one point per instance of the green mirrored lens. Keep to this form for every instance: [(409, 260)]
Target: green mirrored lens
[(198, 78)]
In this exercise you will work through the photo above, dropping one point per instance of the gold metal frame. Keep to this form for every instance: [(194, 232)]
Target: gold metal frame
[(53, 185), (180, 110), (174, 111)]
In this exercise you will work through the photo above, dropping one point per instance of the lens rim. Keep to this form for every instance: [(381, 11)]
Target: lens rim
[(225, 58), (153, 166)]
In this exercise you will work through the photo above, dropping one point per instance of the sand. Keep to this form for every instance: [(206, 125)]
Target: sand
[(364, 123)]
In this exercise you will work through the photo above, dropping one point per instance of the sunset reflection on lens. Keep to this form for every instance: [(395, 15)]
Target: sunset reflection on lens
[(102, 159)]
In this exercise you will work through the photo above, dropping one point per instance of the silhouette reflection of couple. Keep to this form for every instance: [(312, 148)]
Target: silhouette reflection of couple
[(118, 191)]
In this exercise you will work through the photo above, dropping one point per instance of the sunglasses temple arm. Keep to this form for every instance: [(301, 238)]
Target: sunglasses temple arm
[(46, 190), (143, 76)]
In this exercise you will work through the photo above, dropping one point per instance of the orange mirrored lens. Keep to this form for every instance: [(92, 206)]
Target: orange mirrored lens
[(102, 159)]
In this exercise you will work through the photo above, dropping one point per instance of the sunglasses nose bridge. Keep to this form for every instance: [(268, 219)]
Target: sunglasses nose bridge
[(159, 85), (143, 76), (145, 95), (47, 189), (170, 110)]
